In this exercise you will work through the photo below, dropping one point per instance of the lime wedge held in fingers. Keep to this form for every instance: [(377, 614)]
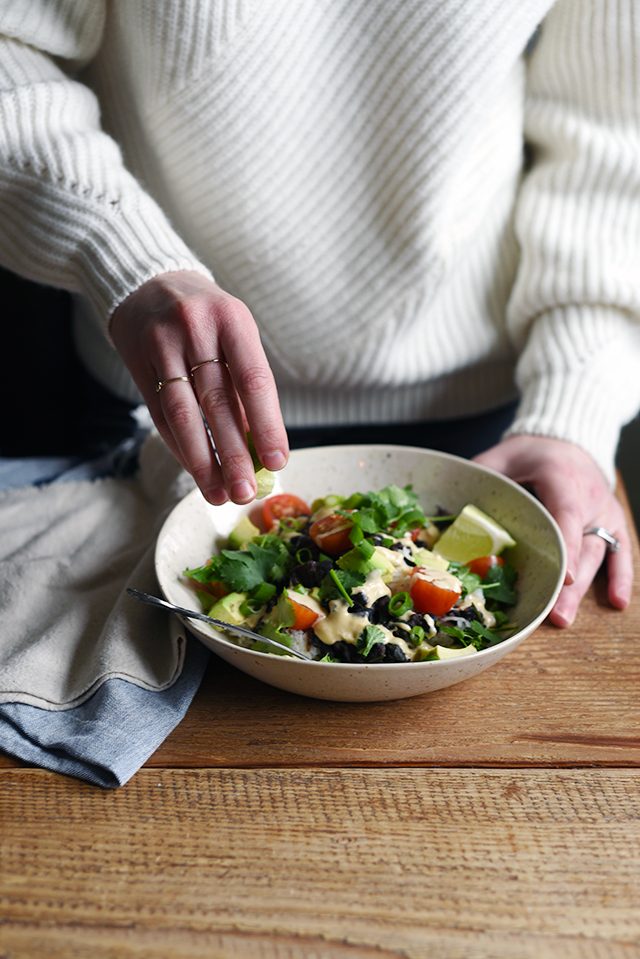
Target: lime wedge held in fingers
[(264, 477), (472, 534)]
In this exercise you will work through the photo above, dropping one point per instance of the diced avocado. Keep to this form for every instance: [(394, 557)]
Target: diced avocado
[(282, 613), (228, 609), (424, 557), (354, 561), (332, 502), (443, 652), (272, 632), (242, 533)]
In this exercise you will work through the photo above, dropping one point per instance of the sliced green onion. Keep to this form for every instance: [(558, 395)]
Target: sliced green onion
[(416, 635), (365, 548), (356, 535), (263, 593), (304, 555), (400, 604)]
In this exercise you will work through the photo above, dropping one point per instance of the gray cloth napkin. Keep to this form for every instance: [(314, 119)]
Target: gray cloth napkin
[(66, 553)]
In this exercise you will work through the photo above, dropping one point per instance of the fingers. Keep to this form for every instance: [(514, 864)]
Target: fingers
[(219, 403), (256, 388), (620, 566), (575, 491), (183, 419), (178, 321), (589, 562), (561, 502)]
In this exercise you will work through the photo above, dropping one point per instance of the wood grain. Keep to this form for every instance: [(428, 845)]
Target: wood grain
[(298, 862)]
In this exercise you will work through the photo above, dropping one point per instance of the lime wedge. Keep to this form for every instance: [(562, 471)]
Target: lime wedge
[(472, 534), (264, 477), (264, 482)]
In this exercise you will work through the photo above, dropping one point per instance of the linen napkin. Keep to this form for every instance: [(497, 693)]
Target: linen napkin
[(90, 680)]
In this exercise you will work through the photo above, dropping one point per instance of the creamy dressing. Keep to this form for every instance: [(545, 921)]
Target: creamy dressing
[(341, 625), (373, 587), (477, 600), (439, 578)]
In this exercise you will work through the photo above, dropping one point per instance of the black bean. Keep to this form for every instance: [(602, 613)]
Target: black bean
[(394, 654)]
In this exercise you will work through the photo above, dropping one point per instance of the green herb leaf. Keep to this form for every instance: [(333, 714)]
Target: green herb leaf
[(265, 559), (368, 638), (338, 583), (499, 584)]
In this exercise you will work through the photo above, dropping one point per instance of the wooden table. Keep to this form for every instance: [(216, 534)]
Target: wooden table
[(497, 818)]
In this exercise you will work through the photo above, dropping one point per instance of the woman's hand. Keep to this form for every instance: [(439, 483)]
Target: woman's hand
[(575, 491), (170, 325)]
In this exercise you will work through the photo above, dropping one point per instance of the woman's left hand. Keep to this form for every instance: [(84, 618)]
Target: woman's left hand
[(575, 491)]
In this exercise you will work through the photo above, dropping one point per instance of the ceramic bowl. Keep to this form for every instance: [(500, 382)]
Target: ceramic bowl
[(194, 530)]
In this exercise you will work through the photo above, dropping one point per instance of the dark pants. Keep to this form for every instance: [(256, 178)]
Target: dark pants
[(462, 437)]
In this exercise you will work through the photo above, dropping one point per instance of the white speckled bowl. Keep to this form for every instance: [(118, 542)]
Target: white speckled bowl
[(195, 529)]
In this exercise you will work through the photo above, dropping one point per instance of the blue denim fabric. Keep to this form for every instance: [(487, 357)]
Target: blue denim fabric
[(109, 737)]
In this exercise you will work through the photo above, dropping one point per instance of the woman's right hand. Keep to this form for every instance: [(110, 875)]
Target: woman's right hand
[(169, 325)]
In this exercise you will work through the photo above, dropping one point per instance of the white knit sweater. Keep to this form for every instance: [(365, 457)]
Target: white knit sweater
[(352, 170)]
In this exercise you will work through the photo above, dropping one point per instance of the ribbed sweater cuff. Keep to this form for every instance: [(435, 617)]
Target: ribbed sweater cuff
[(125, 249), (584, 385)]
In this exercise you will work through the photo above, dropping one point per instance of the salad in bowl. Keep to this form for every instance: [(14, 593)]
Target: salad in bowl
[(432, 572), (363, 578)]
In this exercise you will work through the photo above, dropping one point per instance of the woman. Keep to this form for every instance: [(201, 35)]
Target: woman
[(354, 176)]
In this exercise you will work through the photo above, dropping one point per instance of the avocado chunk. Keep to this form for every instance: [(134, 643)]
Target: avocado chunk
[(228, 609), (242, 533), (424, 557), (354, 561), (443, 652)]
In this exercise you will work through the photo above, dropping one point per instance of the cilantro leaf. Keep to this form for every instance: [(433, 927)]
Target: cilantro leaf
[(265, 559), (368, 638), (392, 506), (347, 579), (499, 584), (470, 581), (475, 634)]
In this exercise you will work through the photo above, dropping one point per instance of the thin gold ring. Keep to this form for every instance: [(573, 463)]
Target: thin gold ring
[(214, 359), (172, 379)]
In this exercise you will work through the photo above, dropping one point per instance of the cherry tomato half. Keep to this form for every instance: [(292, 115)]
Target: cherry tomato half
[(283, 505), (304, 617), (433, 591), (331, 534), (483, 564)]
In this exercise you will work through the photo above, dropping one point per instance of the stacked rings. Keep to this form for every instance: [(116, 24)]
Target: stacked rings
[(186, 378)]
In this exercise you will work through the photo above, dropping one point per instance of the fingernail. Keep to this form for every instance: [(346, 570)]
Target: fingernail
[(274, 459), (560, 619), (217, 496), (242, 492)]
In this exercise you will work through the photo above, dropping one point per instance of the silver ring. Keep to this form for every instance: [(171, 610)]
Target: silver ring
[(172, 379), (613, 543)]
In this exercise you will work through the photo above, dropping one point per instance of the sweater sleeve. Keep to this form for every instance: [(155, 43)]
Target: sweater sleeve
[(574, 313), (72, 216)]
